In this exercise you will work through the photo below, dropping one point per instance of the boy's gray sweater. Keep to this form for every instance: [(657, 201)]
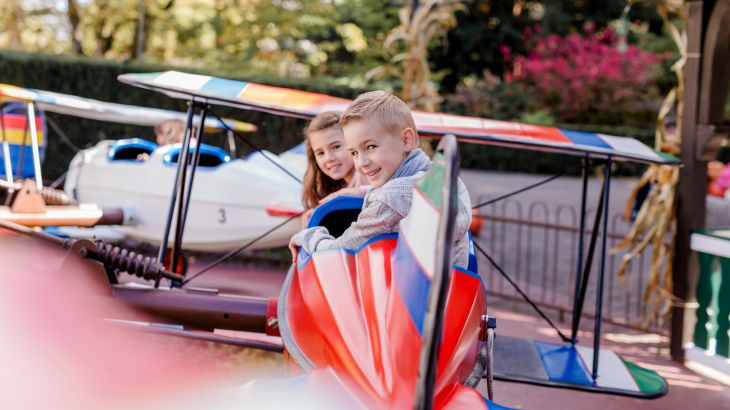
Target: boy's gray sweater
[(384, 208)]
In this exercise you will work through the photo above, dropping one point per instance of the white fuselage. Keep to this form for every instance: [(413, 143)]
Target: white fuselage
[(228, 207)]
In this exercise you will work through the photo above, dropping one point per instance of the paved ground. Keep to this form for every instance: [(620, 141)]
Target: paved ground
[(564, 190)]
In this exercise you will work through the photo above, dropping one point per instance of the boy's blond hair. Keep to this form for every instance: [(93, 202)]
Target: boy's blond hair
[(389, 110)]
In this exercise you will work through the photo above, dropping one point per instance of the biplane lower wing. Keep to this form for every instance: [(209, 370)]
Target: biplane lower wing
[(569, 366), (301, 104)]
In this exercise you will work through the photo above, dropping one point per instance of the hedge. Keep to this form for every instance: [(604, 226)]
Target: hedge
[(97, 78)]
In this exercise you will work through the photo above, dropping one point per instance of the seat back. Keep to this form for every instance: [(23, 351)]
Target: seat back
[(337, 215), (210, 156), (129, 149), (472, 265)]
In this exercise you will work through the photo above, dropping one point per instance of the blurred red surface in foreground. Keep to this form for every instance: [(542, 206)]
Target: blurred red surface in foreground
[(57, 351)]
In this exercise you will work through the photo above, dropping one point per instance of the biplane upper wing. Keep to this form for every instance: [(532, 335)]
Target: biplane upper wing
[(303, 104), (106, 111)]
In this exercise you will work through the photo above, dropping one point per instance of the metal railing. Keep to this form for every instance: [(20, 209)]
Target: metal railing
[(713, 298), (537, 246)]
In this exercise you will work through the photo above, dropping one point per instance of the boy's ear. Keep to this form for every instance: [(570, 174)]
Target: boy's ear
[(408, 137)]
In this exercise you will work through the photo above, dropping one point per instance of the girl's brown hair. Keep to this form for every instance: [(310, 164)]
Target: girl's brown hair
[(317, 184)]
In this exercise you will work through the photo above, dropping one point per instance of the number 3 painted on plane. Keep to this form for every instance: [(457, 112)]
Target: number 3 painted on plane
[(221, 215)]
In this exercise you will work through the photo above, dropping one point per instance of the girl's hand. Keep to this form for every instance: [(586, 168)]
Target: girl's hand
[(305, 217), (294, 248), (342, 192)]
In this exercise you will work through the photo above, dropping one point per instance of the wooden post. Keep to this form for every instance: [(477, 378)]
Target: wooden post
[(692, 187)]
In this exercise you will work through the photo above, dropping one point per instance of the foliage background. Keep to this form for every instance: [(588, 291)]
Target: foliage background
[(80, 46)]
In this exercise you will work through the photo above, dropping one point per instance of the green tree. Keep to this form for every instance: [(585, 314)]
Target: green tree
[(11, 19), (298, 38)]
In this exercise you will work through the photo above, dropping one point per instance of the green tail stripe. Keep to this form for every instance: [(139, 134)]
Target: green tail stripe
[(432, 182), (146, 76), (648, 380), (667, 157)]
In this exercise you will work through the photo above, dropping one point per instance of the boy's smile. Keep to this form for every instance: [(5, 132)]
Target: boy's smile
[(377, 152)]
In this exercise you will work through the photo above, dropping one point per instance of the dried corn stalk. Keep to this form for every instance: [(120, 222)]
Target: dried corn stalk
[(656, 222), (416, 30)]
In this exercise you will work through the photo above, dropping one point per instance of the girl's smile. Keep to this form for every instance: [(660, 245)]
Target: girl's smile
[(330, 153)]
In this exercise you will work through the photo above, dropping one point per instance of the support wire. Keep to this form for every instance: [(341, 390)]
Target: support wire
[(524, 296), (254, 146), (236, 251)]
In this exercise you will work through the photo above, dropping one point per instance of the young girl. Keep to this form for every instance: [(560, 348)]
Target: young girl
[(330, 168)]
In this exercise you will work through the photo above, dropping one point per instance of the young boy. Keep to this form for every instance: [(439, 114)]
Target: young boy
[(381, 136)]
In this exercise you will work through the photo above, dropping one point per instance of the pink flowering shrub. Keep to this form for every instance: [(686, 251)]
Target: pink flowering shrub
[(585, 78)]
